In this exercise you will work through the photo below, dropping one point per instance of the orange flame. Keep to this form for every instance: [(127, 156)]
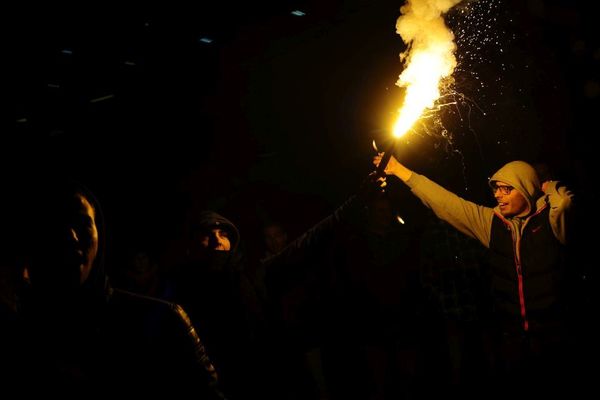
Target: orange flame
[(429, 57)]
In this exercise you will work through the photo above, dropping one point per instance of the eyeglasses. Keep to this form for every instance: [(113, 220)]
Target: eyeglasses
[(504, 189)]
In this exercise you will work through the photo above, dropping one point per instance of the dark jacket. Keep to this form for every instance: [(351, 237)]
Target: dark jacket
[(230, 308), (87, 338), (214, 289), (539, 275), (127, 342)]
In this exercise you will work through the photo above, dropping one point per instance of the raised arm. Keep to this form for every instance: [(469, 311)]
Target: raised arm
[(469, 218)]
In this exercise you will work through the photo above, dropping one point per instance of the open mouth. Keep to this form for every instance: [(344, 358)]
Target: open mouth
[(73, 257)]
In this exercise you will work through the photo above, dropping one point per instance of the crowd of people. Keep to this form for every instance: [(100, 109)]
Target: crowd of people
[(385, 298)]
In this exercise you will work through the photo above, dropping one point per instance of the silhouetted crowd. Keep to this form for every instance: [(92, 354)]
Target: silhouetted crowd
[(384, 298)]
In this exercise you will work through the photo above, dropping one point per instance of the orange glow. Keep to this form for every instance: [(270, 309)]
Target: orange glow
[(429, 58)]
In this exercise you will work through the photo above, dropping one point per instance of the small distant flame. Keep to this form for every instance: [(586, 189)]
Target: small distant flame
[(429, 57), (375, 146)]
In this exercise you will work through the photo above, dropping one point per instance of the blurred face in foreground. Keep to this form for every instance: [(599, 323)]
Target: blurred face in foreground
[(64, 246)]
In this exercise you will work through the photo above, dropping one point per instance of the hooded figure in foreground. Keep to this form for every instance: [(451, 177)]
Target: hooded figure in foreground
[(77, 333), (235, 308), (218, 296)]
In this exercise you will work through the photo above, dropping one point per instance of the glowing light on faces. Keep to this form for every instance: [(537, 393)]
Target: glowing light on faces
[(216, 239), (88, 236), (510, 201)]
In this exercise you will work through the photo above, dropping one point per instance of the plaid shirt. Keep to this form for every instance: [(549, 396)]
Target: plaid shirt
[(452, 270)]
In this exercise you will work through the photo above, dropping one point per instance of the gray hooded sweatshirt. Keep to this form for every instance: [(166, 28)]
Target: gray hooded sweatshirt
[(476, 221)]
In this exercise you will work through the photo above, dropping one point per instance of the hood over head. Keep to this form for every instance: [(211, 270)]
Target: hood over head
[(208, 219), (212, 260), (523, 177)]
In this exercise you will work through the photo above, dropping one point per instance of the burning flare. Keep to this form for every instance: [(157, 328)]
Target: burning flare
[(428, 58)]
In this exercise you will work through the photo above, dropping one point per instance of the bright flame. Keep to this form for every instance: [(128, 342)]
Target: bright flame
[(428, 59)]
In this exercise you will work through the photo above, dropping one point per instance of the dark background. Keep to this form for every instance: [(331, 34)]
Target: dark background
[(278, 112)]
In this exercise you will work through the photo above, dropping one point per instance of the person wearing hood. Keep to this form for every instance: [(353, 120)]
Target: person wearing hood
[(77, 333), (213, 288), (232, 305), (526, 234)]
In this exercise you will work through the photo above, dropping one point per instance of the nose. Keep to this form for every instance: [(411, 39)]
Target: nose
[(213, 240)]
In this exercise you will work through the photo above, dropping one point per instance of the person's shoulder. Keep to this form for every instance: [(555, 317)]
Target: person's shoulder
[(138, 303)]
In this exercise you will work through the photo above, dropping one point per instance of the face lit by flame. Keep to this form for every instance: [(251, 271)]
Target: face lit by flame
[(65, 247)]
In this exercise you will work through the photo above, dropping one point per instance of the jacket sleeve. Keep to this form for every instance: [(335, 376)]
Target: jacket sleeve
[(197, 371), (560, 200), (469, 218), (286, 267)]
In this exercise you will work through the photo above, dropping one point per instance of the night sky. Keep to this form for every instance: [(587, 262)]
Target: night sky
[(245, 107)]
